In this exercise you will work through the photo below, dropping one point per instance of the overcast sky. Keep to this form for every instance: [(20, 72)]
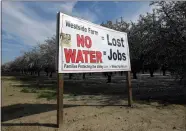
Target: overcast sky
[(24, 24)]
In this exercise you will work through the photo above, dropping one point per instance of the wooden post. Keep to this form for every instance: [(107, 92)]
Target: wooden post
[(60, 80), (60, 100), (129, 88)]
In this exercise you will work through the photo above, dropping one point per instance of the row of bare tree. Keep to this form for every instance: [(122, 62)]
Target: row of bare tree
[(157, 41)]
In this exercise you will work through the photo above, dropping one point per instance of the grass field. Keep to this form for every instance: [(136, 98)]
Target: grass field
[(29, 104)]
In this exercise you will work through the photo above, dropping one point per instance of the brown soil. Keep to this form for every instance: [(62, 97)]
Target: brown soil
[(25, 112)]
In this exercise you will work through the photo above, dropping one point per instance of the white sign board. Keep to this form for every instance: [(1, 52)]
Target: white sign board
[(87, 47)]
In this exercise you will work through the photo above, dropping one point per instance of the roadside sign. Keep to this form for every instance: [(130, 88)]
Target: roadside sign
[(87, 47)]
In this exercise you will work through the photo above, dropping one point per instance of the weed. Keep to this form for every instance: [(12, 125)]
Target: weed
[(49, 95), (25, 90)]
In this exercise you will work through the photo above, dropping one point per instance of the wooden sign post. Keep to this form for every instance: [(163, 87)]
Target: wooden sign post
[(128, 81), (84, 47), (60, 81), (60, 100)]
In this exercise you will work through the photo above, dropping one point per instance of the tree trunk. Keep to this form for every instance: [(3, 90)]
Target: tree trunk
[(51, 75), (109, 79), (164, 72), (38, 73), (151, 73), (105, 74), (47, 73), (70, 75), (143, 71), (134, 75), (83, 76)]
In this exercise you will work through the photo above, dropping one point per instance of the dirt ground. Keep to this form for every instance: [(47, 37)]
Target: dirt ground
[(85, 112)]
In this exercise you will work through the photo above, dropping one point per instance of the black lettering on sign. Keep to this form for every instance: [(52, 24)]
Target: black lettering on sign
[(116, 55), (119, 43), (124, 57), (110, 57), (108, 40), (119, 55), (115, 42), (122, 42)]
